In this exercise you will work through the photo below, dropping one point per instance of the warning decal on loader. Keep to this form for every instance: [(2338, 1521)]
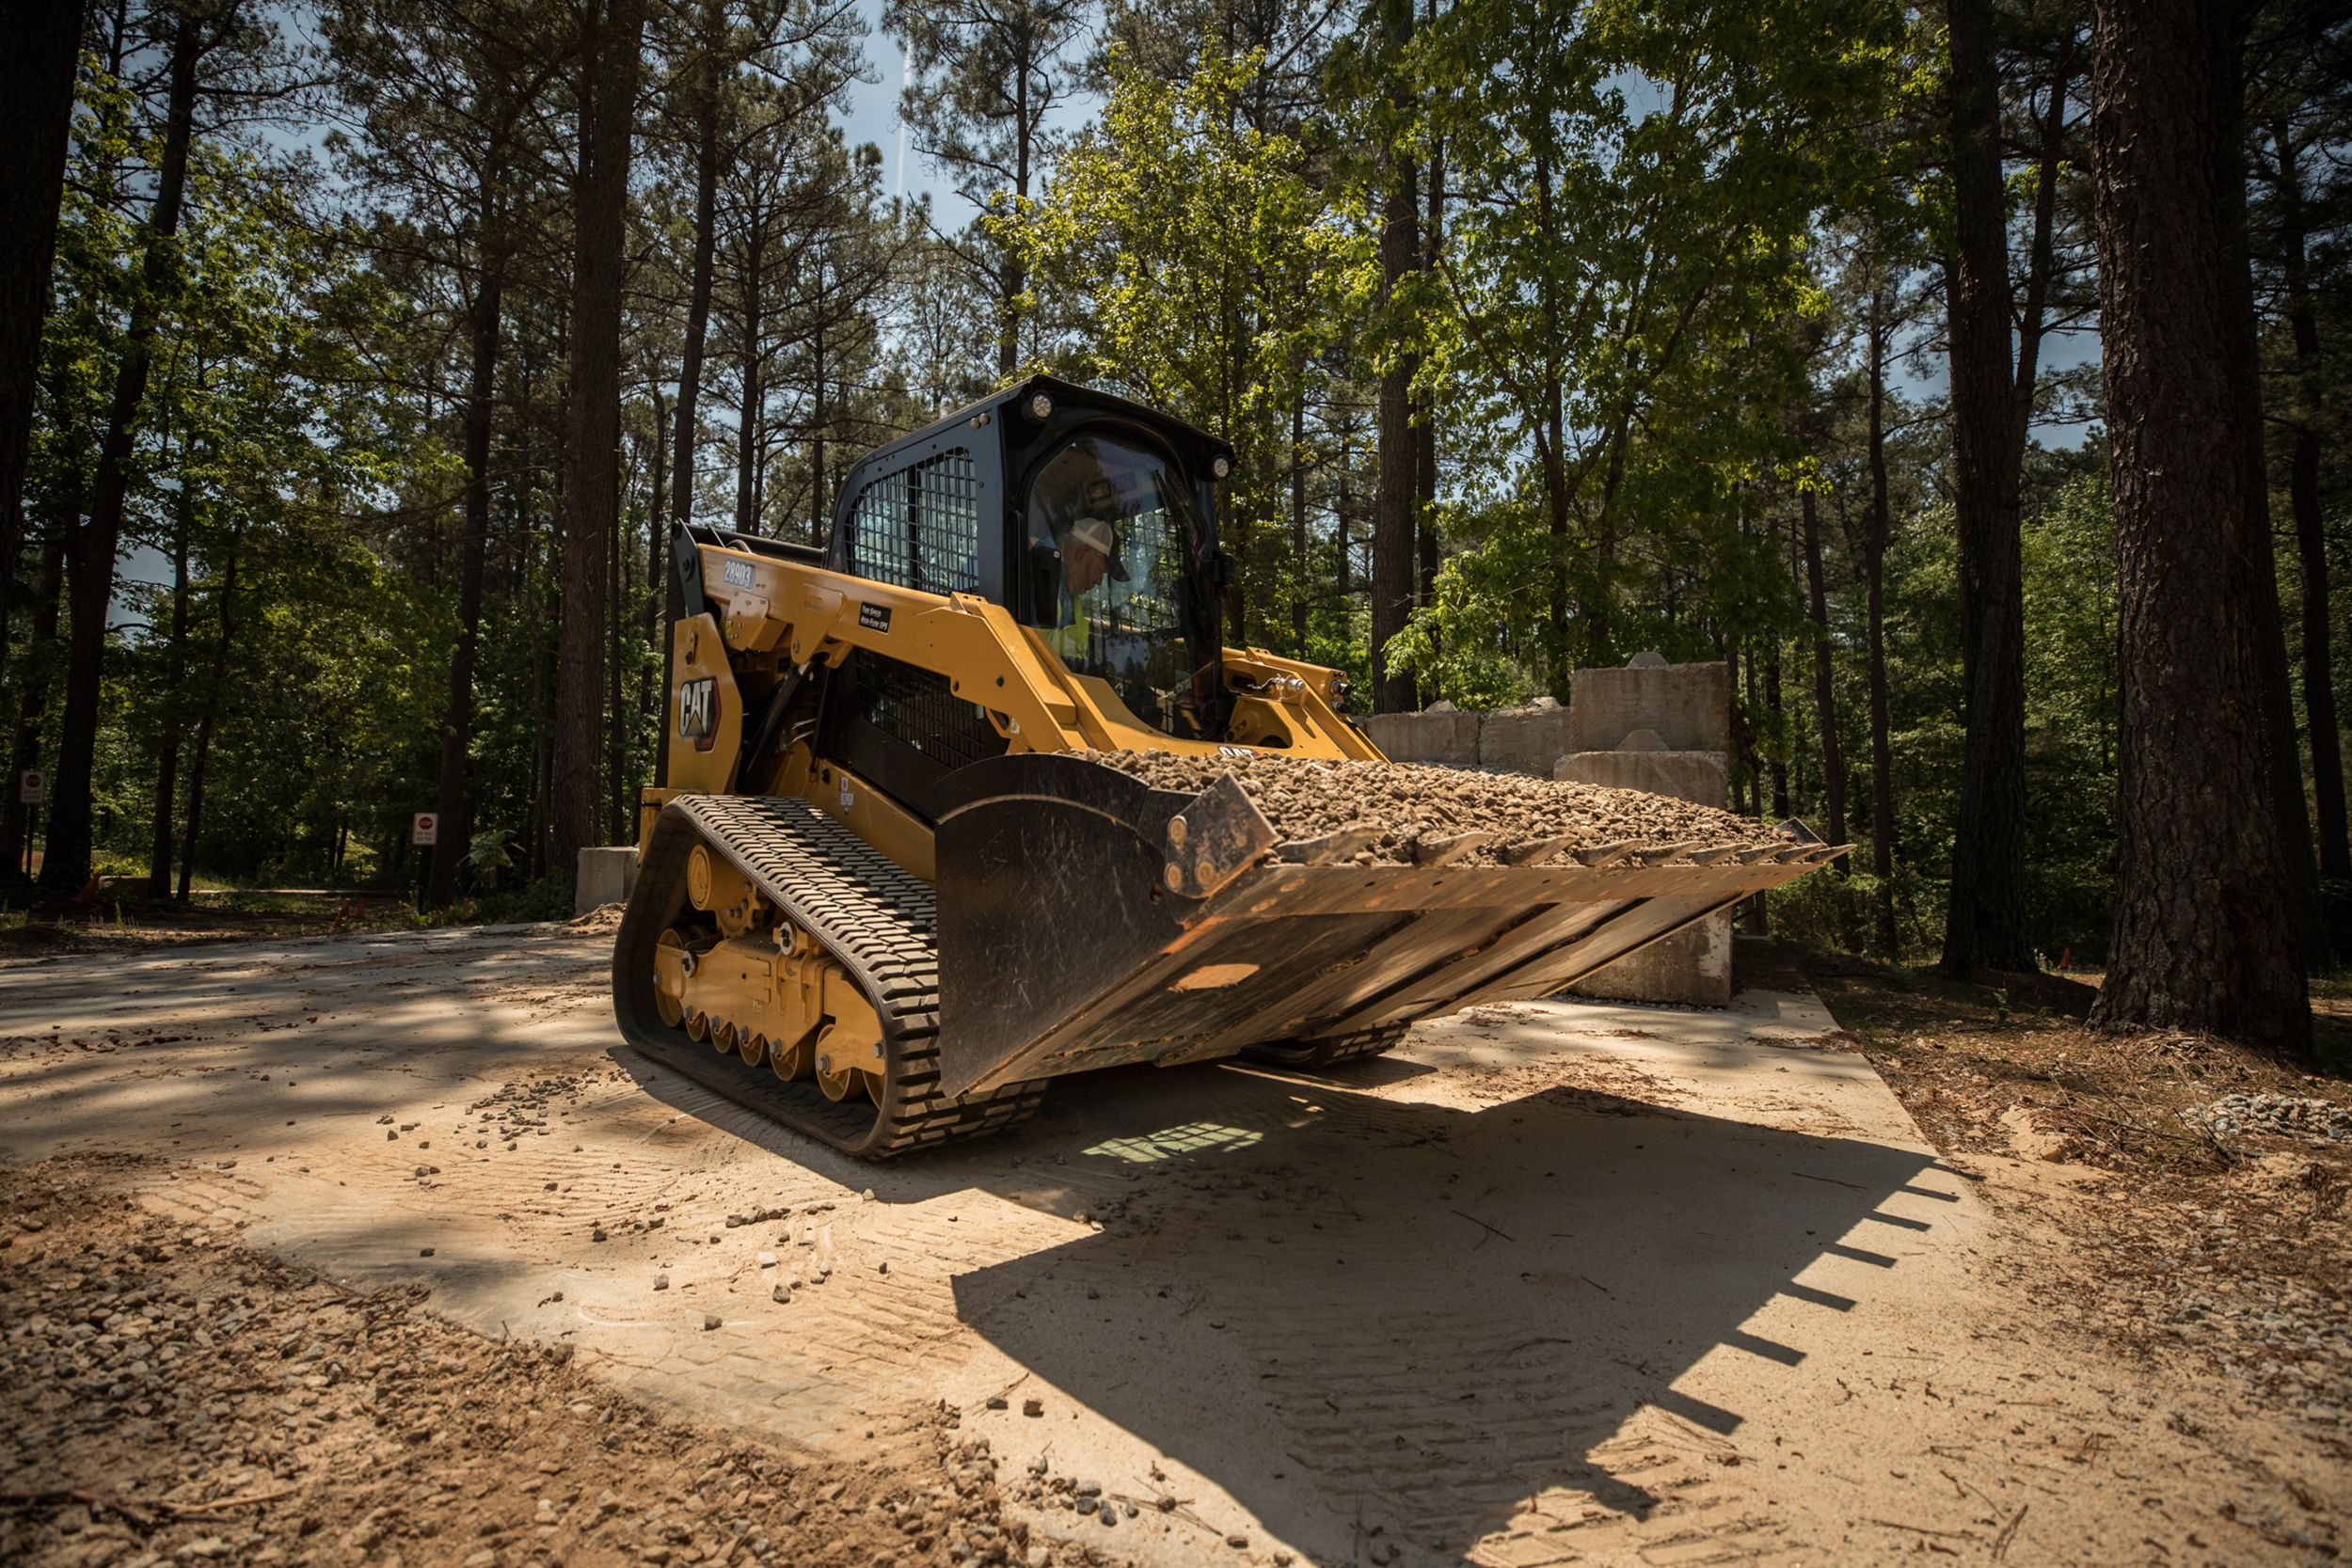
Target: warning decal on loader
[(698, 712), (874, 617)]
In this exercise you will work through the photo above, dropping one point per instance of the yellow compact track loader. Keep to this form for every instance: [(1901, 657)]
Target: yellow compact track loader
[(975, 797)]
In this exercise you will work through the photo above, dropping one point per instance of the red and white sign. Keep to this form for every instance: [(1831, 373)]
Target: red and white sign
[(426, 829), (32, 786)]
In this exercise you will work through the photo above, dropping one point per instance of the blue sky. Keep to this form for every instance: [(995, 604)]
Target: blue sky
[(873, 117)]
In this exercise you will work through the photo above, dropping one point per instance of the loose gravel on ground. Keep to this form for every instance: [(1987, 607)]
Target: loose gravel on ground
[(1410, 803), (168, 1396)]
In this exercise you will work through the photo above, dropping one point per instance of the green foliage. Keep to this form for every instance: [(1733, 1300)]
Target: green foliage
[(2070, 706), (1616, 311), (1651, 241), (1203, 271)]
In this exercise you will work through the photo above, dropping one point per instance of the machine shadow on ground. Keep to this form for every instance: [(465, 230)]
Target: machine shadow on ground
[(1371, 1319)]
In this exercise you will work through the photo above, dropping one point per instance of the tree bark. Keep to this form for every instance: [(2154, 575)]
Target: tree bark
[(747, 431), (1874, 567), (655, 631), (36, 112), (1016, 277), (1825, 687), (817, 518), (24, 750), (706, 249), (1393, 540), (1984, 924), (615, 722), (67, 865), (1302, 577), (591, 467), (168, 752), (2204, 928), (2225, 22), (2310, 538), (1425, 424), (456, 820), (195, 826)]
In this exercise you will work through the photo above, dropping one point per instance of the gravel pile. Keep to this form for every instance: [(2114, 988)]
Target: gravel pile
[(1411, 803), (2278, 1116)]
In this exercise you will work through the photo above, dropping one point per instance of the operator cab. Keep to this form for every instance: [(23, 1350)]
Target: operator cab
[(1090, 517), (1110, 528)]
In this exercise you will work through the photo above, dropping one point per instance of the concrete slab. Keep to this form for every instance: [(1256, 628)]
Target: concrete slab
[(1697, 776), (1557, 1281), (1446, 739), (1687, 705), (1523, 739), (606, 875)]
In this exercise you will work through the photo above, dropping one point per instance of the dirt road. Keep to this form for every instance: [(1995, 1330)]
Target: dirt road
[(1556, 1282)]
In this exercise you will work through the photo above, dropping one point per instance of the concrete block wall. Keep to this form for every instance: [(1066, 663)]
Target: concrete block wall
[(1665, 728), (1443, 735), (1661, 727), (1523, 739), (607, 875), (1687, 707)]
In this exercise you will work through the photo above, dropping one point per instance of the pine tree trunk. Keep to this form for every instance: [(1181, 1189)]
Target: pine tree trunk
[(67, 865), (24, 750), (1824, 686), (2319, 681), (1302, 577), (2226, 24), (1425, 423), (592, 469), (1015, 277), (176, 658), (706, 250), (655, 631), (449, 803), (36, 110), (615, 723), (1985, 913), (817, 518), (2204, 934), (1874, 566), (191, 834), (1395, 546), (1341, 520), (747, 421)]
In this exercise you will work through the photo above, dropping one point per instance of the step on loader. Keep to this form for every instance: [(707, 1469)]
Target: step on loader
[(976, 796)]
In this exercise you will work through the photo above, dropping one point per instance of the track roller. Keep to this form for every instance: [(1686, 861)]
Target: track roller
[(769, 931)]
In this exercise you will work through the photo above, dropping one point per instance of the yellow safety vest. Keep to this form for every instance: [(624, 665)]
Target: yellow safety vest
[(1071, 642)]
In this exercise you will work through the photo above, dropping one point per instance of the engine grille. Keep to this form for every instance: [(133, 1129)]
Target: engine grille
[(922, 710)]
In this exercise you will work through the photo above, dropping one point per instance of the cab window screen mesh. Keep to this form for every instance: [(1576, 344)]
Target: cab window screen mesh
[(920, 526)]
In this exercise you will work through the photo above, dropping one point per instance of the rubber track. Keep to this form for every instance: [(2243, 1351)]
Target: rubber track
[(878, 922)]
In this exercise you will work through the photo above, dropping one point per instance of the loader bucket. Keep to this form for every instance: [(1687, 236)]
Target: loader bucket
[(1087, 920)]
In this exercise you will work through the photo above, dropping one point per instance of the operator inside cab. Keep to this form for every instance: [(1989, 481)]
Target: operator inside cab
[(1077, 505), (1111, 519), (1090, 553)]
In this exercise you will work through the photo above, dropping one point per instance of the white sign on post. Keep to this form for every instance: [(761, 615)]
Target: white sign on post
[(32, 786), (425, 829)]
